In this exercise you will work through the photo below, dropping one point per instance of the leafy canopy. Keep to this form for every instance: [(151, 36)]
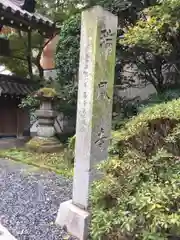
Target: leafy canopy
[(157, 29)]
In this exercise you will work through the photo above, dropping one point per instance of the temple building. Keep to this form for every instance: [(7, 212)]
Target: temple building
[(14, 121), (21, 15)]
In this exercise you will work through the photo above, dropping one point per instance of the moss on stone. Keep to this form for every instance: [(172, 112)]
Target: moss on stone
[(37, 142), (41, 145), (46, 93)]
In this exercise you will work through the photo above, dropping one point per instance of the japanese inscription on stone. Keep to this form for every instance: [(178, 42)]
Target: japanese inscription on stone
[(101, 139), (86, 74), (106, 45), (95, 93), (106, 40)]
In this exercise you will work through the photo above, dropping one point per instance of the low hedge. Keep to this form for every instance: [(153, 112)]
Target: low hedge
[(139, 195)]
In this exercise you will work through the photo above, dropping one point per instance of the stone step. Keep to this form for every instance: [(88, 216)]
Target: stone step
[(51, 142), (44, 145), (50, 148)]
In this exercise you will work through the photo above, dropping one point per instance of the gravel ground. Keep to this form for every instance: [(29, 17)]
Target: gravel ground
[(29, 201)]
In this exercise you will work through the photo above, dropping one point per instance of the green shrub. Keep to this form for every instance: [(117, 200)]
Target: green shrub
[(32, 104), (155, 98), (139, 195), (67, 64), (127, 108), (69, 152)]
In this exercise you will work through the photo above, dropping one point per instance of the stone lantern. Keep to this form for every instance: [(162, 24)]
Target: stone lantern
[(46, 116), (45, 141)]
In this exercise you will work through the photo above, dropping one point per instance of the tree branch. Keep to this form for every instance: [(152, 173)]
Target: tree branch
[(29, 55), (18, 58)]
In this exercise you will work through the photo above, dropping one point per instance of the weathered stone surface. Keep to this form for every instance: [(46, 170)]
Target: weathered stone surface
[(62, 125), (46, 113), (46, 117), (34, 129), (95, 96), (46, 105), (74, 218), (45, 130), (46, 121)]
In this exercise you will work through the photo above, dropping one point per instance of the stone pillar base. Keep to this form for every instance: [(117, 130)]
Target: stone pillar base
[(74, 219)]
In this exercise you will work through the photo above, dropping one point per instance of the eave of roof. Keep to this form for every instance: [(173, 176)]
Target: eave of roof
[(12, 15), (13, 85)]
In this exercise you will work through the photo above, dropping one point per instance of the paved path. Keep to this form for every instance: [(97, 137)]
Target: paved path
[(29, 201)]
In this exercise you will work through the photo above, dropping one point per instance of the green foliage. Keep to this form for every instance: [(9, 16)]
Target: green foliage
[(68, 95), (17, 63), (69, 152), (31, 103), (159, 98), (58, 11), (67, 56), (49, 161), (157, 29), (152, 118), (123, 110), (118, 121), (126, 10), (130, 108), (67, 62), (153, 44), (147, 34), (138, 197)]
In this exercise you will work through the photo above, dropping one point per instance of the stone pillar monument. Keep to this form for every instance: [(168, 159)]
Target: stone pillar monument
[(95, 97)]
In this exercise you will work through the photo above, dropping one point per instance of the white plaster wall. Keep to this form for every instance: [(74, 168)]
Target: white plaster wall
[(139, 88), (142, 92)]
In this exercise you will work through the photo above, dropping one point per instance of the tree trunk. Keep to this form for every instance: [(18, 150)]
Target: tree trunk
[(40, 69), (29, 55)]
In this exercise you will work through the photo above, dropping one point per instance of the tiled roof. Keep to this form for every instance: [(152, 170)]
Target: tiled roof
[(13, 85), (36, 19)]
